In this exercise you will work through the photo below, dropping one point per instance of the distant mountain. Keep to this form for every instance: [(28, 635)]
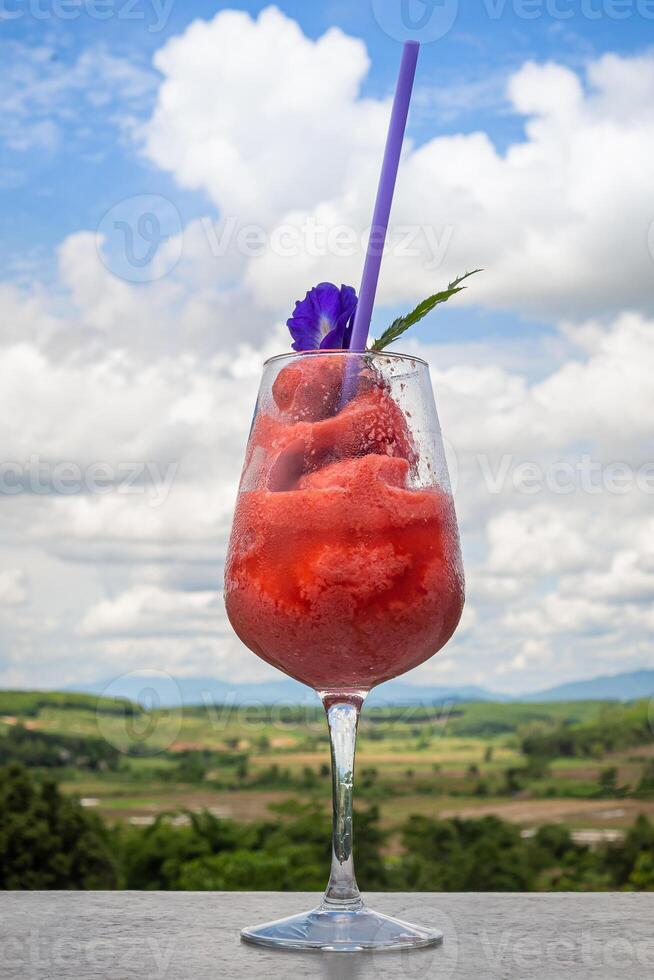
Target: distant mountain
[(397, 692), (168, 692), (609, 687), (171, 692)]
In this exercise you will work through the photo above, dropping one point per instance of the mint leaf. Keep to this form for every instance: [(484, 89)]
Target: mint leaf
[(403, 323)]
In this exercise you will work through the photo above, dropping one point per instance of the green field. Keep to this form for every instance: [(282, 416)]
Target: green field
[(457, 759)]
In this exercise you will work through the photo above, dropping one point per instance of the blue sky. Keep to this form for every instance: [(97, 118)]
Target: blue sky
[(532, 135)]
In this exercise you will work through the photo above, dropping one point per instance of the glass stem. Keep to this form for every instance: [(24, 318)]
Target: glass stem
[(343, 719)]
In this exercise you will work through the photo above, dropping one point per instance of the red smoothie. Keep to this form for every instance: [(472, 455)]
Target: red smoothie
[(339, 572)]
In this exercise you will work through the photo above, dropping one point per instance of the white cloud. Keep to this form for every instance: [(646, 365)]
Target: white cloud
[(43, 91), (596, 395), (152, 611), (559, 221), (536, 541), (13, 588), (629, 579), (259, 116)]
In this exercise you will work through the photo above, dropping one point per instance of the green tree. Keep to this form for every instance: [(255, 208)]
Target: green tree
[(309, 778), (48, 841), (369, 839), (153, 857), (642, 877), (646, 785), (514, 780), (238, 870), (50, 750), (562, 864), (621, 860), (608, 782), (463, 855)]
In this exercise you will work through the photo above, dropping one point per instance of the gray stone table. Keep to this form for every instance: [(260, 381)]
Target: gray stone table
[(195, 936)]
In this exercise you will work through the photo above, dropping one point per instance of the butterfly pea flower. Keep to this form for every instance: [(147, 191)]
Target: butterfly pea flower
[(323, 319)]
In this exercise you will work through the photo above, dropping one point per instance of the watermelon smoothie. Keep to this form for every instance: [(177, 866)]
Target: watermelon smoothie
[(343, 568)]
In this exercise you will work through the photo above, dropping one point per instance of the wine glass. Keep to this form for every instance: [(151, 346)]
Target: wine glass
[(344, 570)]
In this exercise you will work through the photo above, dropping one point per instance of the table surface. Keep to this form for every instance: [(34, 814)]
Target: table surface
[(195, 936)]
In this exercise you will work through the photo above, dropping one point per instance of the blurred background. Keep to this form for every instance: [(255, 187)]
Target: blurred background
[(173, 177)]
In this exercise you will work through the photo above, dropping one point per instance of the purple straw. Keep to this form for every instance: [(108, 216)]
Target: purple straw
[(384, 200)]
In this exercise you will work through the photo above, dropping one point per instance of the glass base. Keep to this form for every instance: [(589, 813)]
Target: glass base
[(338, 930)]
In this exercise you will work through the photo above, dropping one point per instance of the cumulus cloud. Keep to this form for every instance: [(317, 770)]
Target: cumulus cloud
[(279, 128), (596, 394), (560, 220), (152, 611), (193, 307)]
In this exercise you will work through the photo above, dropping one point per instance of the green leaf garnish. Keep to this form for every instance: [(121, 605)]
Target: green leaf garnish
[(403, 323)]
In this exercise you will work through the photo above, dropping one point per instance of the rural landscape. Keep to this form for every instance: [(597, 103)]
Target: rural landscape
[(102, 793)]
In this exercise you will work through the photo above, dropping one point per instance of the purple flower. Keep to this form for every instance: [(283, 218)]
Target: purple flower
[(323, 319)]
